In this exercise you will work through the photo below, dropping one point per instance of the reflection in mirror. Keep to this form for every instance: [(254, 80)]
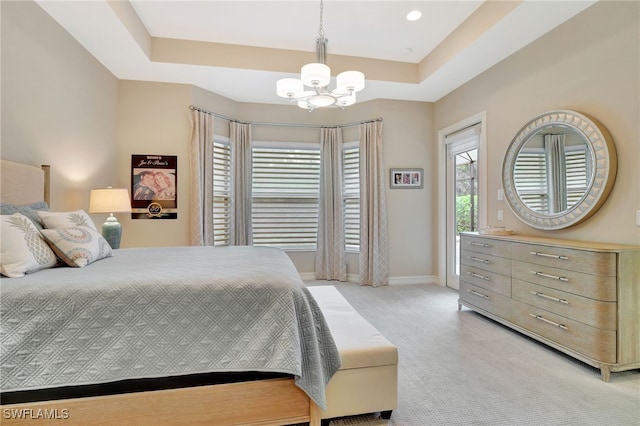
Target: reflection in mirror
[(553, 169), (558, 169)]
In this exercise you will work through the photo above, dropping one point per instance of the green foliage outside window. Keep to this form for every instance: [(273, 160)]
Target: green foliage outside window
[(463, 213)]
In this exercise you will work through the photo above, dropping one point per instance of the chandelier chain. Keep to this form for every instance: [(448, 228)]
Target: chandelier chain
[(321, 30)]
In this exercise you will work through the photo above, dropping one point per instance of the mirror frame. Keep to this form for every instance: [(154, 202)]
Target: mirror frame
[(602, 151)]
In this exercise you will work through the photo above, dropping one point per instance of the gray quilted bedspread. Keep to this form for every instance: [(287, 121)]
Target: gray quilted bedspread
[(157, 312)]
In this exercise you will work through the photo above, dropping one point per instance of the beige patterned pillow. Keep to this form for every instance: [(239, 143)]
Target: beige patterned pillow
[(54, 220), (22, 248), (78, 246)]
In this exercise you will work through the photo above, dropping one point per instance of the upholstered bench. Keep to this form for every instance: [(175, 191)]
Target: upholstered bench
[(367, 381)]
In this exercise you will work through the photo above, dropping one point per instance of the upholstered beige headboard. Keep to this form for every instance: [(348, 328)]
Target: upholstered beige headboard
[(23, 183)]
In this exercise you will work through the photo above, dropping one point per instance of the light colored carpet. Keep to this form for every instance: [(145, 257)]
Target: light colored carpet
[(460, 368)]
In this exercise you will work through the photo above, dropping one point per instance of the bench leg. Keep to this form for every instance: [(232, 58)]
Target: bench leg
[(386, 414)]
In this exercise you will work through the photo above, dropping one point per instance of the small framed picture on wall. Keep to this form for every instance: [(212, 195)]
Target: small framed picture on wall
[(405, 178)]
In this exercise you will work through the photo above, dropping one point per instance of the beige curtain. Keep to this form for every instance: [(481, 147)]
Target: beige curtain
[(240, 140), (374, 244), (556, 172), (331, 260), (201, 185)]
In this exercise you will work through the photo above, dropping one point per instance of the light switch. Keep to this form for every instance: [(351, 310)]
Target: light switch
[(500, 194), (637, 217)]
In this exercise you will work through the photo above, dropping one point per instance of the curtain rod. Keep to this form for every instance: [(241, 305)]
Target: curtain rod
[(262, 123)]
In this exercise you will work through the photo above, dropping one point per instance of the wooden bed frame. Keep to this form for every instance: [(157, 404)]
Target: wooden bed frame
[(259, 402)]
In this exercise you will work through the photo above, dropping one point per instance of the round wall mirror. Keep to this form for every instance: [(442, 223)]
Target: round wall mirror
[(558, 169)]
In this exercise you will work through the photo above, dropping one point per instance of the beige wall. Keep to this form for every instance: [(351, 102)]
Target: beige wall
[(58, 105), (591, 64), (153, 119)]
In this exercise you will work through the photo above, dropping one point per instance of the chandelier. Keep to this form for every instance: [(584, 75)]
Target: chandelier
[(317, 76)]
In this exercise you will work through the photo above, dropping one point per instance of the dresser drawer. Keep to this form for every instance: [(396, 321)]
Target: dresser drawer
[(587, 285), (594, 263), (486, 262), (497, 283), (587, 311), (593, 342), (486, 246), (487, 300)]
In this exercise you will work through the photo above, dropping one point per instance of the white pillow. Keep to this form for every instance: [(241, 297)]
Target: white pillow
[(22, 248), (53, 220), (77, 246)]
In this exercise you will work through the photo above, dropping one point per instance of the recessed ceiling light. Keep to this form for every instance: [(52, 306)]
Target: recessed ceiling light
[(414, 15)]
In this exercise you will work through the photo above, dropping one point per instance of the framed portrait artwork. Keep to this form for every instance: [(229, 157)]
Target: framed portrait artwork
[(406, 178), (154, 187)]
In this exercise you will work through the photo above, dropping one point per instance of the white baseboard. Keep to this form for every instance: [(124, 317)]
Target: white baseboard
[(353, 278), (308, 276), (421, 279)]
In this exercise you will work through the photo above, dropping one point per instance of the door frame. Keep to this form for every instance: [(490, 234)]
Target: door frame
[(442, 185)]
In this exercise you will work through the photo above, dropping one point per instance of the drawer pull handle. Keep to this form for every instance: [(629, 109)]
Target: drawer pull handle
[(562, 326), (473, 243), (555, 277), (475, 293), (477, 259), (555, 299), (482, 277), (554, 256)]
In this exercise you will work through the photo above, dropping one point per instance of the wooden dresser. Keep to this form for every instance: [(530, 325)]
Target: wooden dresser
[(579, 297)]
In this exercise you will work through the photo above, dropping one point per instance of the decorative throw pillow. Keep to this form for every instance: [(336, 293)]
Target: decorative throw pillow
[(78, 246), (29, 210), (54, 220), (22, 248)]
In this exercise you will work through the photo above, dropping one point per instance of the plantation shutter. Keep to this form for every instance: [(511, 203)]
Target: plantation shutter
[(351, 195), (530, 178), (285, 187), (221, 193), (578, 173)]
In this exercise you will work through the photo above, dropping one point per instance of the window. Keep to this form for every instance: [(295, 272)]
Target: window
[(221, 191), (351, 195), (530, 177), (578, 169), (285, 190)]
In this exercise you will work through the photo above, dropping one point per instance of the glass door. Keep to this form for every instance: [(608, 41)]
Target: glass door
[(462, 195)]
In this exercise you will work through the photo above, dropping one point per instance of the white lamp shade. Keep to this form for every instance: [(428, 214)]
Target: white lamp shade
[(289, 88), (109, 200), (350, 81), (315, 75)]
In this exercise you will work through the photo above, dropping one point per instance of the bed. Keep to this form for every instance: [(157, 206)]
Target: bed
[(171, 335)]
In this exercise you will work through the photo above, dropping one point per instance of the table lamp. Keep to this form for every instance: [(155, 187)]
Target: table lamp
[(110, 200)]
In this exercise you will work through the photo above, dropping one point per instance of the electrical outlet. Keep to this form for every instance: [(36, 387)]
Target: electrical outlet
[(637, 217), (499, 214)]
